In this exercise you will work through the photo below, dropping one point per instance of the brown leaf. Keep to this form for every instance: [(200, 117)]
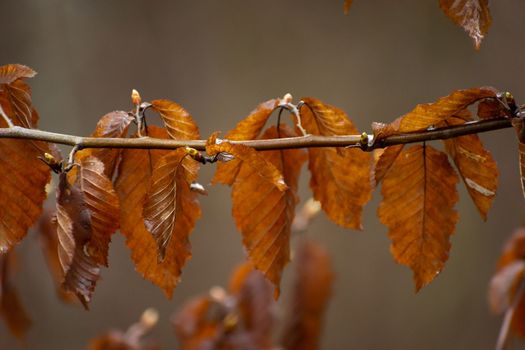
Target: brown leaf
[(168, 196), (254, 303), (11, 308), (102, 202), (340, 178), (178, 121), (312, 291), (419, 194), (346, 6), (132, 184), (431, 114), (247, 129), (263, 212), (11, 72), (49, 241), (472, 15), (22, 185), (114, 124), (74, 231), (251, 158), (505, 282), (15, 95), (492, 108), (476, 167), (385, 162)]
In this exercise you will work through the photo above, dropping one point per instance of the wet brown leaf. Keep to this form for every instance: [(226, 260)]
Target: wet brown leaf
[(263, 212), (476, 166), (312, 291), (419, 194), (132, 184), (74, 231), (168, 197), (340, 178), (11, 308), (178, 121), (472, 15), (247, 129)]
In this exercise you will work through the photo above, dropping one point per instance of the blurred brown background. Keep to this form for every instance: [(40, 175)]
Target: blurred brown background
[(219, 59)]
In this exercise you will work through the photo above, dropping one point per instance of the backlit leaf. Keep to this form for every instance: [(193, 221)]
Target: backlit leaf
[(74, 231), (263, 212), (247, 129), (114, 124), (419, 194), (11, 308), (178, 121), (311, 293), (472, 15), (340, 178), (132, 184), (476, 167), (15, 95), (167, 198)]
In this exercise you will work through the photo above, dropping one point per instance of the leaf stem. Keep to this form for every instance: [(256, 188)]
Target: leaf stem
[(308, 141)]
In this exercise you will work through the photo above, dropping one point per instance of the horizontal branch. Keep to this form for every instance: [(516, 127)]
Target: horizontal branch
[(17, 132)]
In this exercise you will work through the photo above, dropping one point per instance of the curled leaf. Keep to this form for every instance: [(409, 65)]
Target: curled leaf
[(166, 199), (178, 121), (419, 194), (340, 178), (11, 72), (472, 15)]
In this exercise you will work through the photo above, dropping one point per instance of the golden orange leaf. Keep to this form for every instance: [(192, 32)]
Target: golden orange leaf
[(11, 308), (476, 167), (247, 129), (178, 121), (74, 231), (419, 194), (340, 178), (385, 162), (113, 124), (472, 15), (168, 196), (431, 114), (263, 212), (312, 291), (132, 184)]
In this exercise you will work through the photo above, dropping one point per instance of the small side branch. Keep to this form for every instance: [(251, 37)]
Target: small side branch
[(308, 141)]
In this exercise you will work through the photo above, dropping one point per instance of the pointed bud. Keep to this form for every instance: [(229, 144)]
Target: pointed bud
[(287, 98), (135, 97)]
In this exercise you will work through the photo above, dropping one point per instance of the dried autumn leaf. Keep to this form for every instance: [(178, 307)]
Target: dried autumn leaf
[(132, 184), (74, 231), (263, 212), (178, 121), (49, 242), (472, 15), (254, 304), (492, 108), (11, 308), (475, 165), (339, 177), (519, 127), (102, 202), (167, 198), (15, 95), (346, 6), (312, 291), (11, 72), (385, 162), (505, 284), (114, 124), (247, 129), (419, 194), (431, 114)]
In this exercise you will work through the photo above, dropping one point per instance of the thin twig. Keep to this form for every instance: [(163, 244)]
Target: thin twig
[(307, 141)]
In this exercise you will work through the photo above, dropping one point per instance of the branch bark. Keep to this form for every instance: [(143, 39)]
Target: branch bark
[(365, 143)]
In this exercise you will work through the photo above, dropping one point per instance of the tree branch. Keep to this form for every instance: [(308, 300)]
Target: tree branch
[(17, 132)]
